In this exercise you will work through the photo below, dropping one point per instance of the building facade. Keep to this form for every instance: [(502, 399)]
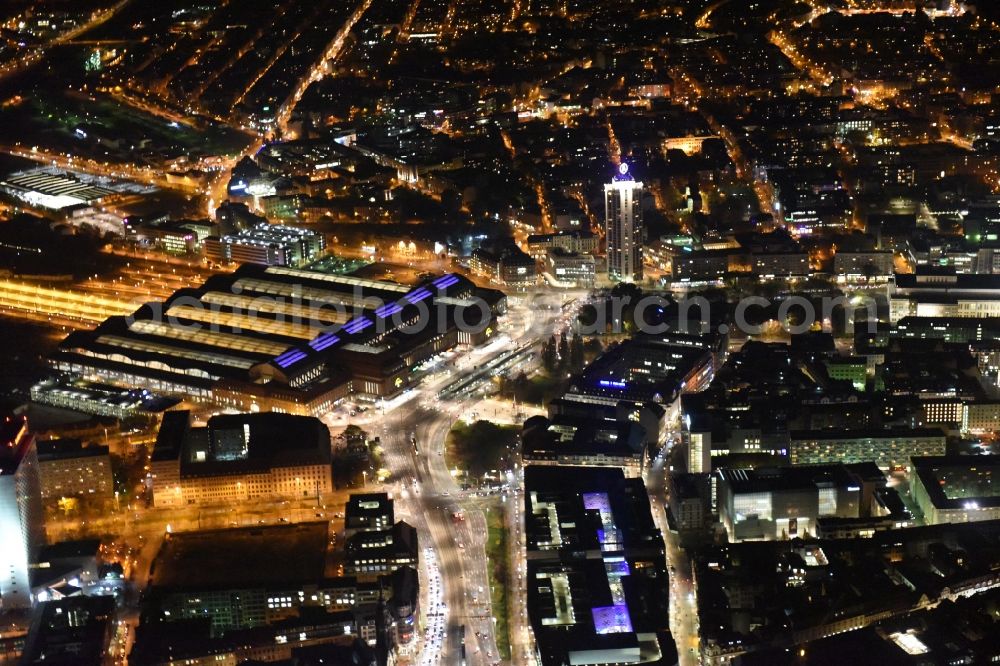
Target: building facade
[(569, 241), (889, 449), (68, 469), (238, 458), (506, 265), (956, 489), (272, 338), (271, 245), (381, 551), (579, 270), (623, 227), (785, 503), (21, 528)]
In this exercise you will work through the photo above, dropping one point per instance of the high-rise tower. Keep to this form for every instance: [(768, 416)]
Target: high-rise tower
[(20, 510), (623, 226)]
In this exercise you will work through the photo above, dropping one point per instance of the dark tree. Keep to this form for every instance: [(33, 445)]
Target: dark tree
[(576, 354), (563, 351), (550, 358)]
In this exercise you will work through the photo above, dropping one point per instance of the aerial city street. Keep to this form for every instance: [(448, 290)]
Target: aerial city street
[(499, 332)]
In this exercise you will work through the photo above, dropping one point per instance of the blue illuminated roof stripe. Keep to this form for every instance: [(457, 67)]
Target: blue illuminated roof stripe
[(320, 345), (445, 281), (418, 295), (290, 352), (356, 325), (325, 340), (294, 358), (388, 310)]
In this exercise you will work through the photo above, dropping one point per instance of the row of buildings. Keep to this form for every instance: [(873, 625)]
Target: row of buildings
[(31, 473), (237, 235), (789, 260), (760, 601), (835, 500), (270, 457), (217, 596), (620, 407), (597, 582), (898, 395)]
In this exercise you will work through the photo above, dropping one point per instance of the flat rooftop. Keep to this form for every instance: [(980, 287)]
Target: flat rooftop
[(644, 368), (596, 581), (15, 439), (567, 435), (68, 449), (361, 506), (778, 479), (252, 556), (242, 443), (574, 507), (960, 482)]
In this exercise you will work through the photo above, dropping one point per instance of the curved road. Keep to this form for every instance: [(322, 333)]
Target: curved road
[(428, 496)]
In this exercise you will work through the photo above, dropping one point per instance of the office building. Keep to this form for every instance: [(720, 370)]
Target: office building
[(932, 293), (863, 265), (66, 468), (689, 501), (967, 415), (981, 416), (504, 263), (268, 244), (853, 369), (21, 528), (172, 236), (368, 512), (948, 329), (786, 502), (572, 269), (889, 448), (572, 416), (239, 458), (944, 412), (258, 576), (584, 442), (648, 368), (76, 631), (701, 265), (623, 226), (381, 551), (956, 489), (771, 264), (596, 578), (574, 242)]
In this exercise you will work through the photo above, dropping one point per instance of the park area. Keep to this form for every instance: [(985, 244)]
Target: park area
[(480, 449)]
